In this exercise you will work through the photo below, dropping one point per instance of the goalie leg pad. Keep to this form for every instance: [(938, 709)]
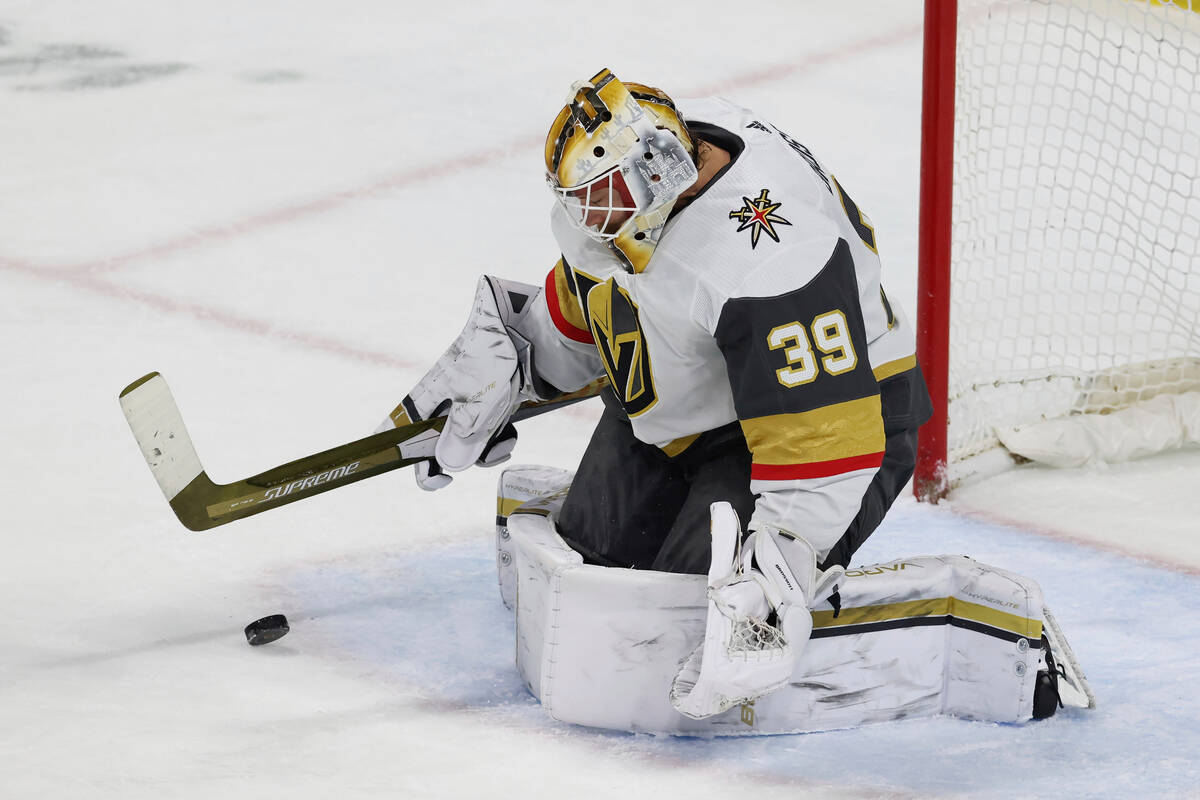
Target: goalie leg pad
[(522, 485), (917, 637)]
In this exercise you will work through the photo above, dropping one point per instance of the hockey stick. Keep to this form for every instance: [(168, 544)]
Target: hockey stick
[(201, 504)]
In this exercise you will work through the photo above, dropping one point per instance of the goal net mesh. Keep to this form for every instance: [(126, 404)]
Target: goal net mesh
[(1076, 235)]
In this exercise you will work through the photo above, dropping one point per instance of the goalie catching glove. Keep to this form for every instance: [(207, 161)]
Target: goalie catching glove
[(478, 383), (760, 596)]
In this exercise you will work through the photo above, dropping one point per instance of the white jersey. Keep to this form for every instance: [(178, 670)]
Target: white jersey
[(762, 304)]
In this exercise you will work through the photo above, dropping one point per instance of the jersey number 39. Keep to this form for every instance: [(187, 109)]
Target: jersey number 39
[(831, 335)]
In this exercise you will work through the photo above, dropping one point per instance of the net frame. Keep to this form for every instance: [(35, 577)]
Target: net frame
[(1060, 150)]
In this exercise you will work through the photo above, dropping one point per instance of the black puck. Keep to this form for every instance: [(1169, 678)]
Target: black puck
[(267, 629)]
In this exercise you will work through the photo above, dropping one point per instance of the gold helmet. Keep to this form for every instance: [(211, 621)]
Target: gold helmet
[(617, 158)]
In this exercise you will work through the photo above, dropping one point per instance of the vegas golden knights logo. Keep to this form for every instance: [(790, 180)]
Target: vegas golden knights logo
[(622, 346)]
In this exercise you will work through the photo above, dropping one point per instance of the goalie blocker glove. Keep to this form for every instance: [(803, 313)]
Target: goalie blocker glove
[(477, 384), (759, 616)]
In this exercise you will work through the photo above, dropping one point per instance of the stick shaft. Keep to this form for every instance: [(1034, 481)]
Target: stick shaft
[(201, 504)]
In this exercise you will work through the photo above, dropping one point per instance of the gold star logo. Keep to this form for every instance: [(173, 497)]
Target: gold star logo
[(759, 215)]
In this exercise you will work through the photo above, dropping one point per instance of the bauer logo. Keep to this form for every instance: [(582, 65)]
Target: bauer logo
[(311, 481)]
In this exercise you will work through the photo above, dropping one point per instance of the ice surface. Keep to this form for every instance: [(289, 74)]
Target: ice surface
[(283, 207)]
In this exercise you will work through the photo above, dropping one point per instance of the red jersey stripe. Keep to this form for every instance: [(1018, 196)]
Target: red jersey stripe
[(817, 469)]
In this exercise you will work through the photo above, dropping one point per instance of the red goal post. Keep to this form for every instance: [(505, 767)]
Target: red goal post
[(1059, 253), (933, 253)]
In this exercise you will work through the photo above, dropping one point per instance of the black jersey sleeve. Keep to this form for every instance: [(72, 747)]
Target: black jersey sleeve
[(801, 378)]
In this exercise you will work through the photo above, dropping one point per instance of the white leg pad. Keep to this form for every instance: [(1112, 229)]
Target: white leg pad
[(917, 637), (517, 486)]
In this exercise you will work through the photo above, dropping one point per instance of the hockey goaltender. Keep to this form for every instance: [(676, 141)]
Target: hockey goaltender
[(727, 286)]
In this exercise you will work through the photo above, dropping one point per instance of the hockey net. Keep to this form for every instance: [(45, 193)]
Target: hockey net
[(1074, 246)]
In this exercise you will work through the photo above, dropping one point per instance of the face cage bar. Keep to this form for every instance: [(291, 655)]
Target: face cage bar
[(577, 201)]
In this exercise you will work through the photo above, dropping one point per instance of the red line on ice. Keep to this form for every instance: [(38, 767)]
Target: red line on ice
[(1071, 538), (203, 313), (87, 275), (213, 234), (222, 232)]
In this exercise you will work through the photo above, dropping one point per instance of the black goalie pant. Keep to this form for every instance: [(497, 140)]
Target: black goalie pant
[(630, 505)]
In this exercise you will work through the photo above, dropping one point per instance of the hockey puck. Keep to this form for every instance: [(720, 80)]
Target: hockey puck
[(267, 629)]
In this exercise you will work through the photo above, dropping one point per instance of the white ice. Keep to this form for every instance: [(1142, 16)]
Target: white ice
[(283, 207)]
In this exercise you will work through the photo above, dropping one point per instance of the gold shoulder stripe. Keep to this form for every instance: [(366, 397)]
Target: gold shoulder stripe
[(931, 607), (885, 371), (841, 430)]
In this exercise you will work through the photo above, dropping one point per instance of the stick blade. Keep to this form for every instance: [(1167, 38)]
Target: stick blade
[(1073, 687), (160, 433)]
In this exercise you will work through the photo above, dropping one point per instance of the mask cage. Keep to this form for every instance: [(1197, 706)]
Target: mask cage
[(650, 176), (607, 194)]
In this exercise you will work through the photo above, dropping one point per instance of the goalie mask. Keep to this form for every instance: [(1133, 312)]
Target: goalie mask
[(617, 158)]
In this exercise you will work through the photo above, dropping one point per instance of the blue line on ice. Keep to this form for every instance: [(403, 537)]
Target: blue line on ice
[(433, 620)]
